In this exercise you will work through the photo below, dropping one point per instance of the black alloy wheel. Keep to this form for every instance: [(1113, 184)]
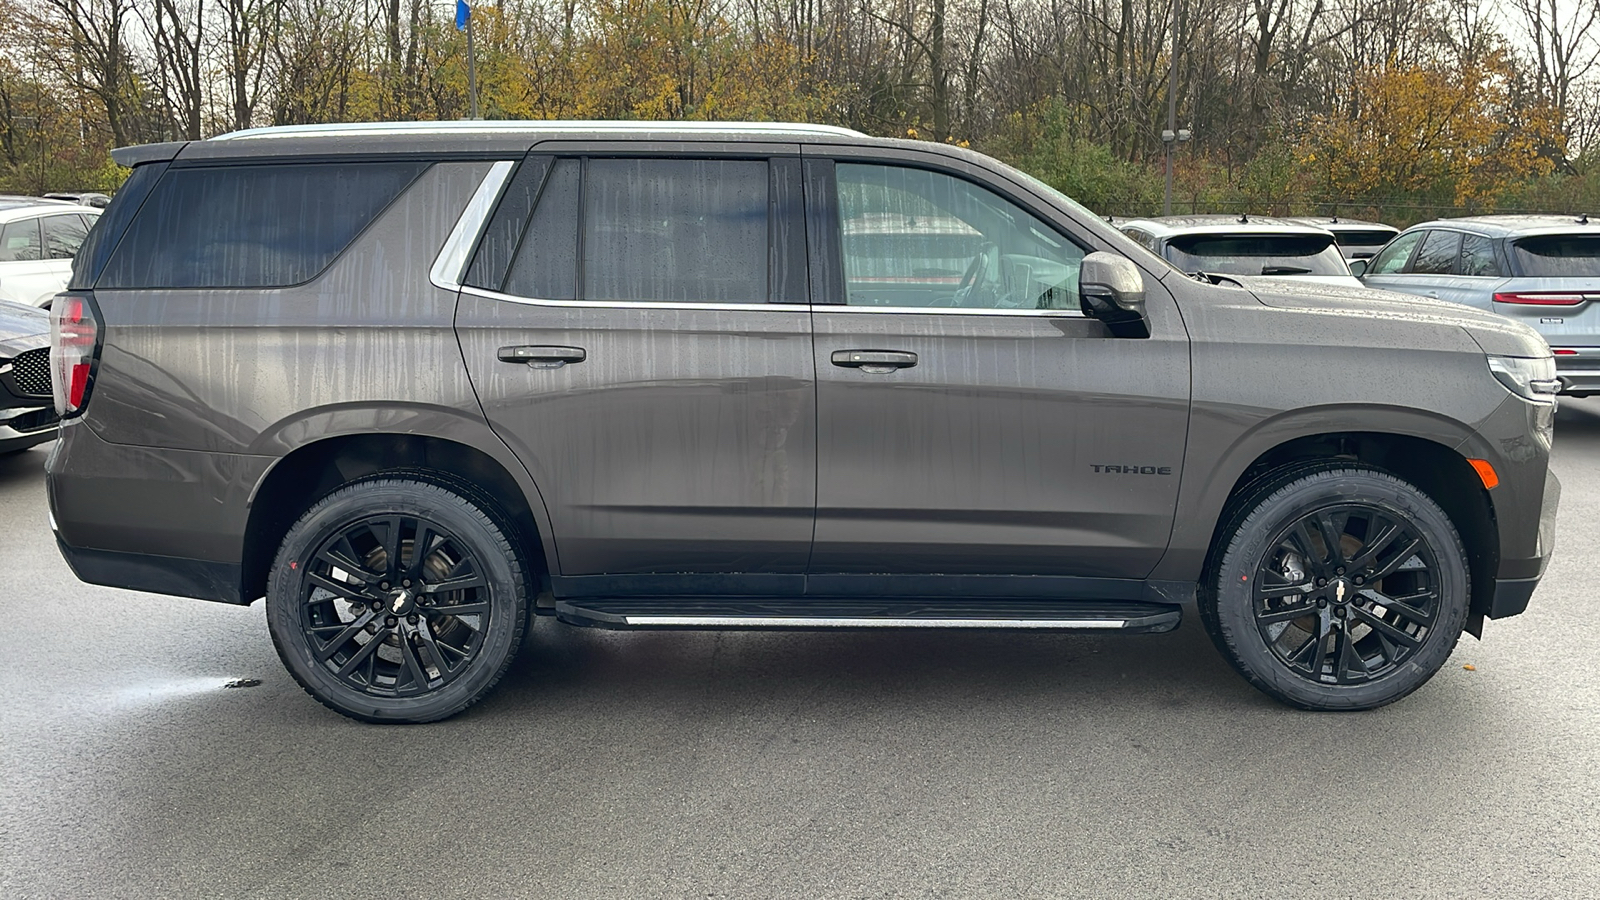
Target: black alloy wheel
[(1341, 587), (395, 600), (1346, 594)]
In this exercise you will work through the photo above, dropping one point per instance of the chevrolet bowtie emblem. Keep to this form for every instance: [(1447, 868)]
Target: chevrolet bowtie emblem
[(1338, 594)]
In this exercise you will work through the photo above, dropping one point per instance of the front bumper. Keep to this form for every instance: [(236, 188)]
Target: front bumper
[(1518, 576), (23, 427)]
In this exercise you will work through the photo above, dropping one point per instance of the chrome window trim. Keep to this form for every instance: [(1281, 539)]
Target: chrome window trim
[(779, 307), (955, 311), (632, 304), (865, 622), (450, 266)]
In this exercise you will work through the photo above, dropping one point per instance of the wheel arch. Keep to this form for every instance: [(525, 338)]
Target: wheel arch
[(1433, 467), (318, 468)]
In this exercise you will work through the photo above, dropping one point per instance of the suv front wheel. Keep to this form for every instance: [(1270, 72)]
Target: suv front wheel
[(1340, 587), (396, 600)]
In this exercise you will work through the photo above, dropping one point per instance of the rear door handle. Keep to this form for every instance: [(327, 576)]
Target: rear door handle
[(542, 357), (874, 362)]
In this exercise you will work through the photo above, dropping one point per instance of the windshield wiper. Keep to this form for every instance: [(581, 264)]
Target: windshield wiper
[(1285, 270)]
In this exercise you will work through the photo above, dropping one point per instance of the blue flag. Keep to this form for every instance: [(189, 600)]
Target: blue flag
[(463, 15)]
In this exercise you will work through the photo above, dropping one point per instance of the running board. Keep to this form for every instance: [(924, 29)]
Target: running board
[(1125, 617)]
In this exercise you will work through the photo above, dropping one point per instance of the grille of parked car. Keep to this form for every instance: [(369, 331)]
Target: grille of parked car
[(31, 372)]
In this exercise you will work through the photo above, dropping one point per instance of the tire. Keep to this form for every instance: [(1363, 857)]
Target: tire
[(375, 633), (1348, 630)]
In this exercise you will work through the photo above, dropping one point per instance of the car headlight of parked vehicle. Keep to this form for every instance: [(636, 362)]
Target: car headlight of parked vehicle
[(1530, 379)]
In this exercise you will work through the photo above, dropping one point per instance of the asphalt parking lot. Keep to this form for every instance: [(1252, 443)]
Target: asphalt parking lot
[(788, 765)]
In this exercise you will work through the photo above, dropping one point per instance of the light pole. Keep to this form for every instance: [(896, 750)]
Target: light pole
[(1172, 134)]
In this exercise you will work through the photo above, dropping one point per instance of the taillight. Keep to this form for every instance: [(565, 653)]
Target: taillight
[(74, 338), (1539, 299), (1562, 351)]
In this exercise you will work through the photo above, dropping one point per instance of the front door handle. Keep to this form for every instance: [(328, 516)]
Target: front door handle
[(542, 357), (874, 362)]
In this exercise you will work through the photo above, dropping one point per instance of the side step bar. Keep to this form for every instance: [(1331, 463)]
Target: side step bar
[(829, 613)]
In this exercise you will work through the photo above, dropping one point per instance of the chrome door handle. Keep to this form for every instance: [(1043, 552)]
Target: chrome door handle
[(874, 362), (542, 357)]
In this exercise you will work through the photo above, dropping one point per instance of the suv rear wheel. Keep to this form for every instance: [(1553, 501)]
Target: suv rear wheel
[(396, 600), (1340, 587)]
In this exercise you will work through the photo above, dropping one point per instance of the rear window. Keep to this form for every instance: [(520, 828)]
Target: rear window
[(1258, 254), (251, 226), (1375, 238), (1558, 254)]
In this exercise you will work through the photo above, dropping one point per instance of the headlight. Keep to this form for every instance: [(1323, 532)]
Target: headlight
[(1530, 379)]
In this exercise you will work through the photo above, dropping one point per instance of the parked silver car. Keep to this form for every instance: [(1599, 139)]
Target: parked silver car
[(1357, 239), (1543, 271), (38, 239), (1243, 245)]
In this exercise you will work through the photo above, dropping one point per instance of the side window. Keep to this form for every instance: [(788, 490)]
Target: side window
[(546, 264), (63, 235), (1393, 258), (251, 226), (684, 230), (1438, 254), (915, 238), (19, 241), (1477, 257)]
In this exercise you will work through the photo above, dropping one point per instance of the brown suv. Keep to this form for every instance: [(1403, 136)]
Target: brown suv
[(416, 383)]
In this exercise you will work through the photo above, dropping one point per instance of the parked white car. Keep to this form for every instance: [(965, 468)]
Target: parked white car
[(1246, 246), (38, 239)]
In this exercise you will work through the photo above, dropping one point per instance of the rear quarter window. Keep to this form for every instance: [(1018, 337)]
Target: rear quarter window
[(1558, 255), (250, 226)]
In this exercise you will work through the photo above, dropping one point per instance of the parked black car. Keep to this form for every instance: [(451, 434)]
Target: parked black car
[(27, 413), (414, 383)]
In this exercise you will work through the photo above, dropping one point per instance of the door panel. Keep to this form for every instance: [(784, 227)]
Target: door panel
[(683, 442), (970, 419), (1016, 445), (656, 375)]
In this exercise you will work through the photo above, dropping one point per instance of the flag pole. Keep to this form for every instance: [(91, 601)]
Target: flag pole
[(472, 70)]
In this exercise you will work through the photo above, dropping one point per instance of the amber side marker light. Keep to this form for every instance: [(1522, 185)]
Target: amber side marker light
[(1485, 472)]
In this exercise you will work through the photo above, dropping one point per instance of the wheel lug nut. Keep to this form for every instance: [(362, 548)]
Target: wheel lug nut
[(390, 621), (412, 619), (383, 585), (1322, 602), (406, 583), (1339, 571), (1321, 582)]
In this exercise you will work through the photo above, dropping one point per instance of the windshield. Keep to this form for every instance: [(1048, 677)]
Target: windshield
[(1558, 254), (1258, 254)]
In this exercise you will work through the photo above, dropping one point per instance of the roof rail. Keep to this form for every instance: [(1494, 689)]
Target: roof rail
[(526, 126)]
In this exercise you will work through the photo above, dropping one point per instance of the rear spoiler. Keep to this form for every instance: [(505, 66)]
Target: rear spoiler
[(147, 153)]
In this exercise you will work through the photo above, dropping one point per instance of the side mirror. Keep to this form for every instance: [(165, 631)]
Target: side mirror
[(1358, 267), (1111, 289)]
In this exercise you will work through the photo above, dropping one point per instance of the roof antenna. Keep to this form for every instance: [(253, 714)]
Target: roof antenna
[(1335, 219), (1244, 218), (1583, 218)]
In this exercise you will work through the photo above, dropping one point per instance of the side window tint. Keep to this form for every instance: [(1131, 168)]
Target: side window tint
[(683, 230), (1477, 257), (504, 231), (1438, 254), (546, 266), (916, 238), (19, 242), (63, 235), (1393, 258), (251, 226)]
